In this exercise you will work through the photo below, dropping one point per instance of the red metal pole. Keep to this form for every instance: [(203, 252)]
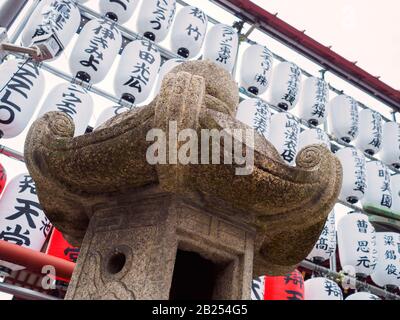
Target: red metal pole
[(34, 260)]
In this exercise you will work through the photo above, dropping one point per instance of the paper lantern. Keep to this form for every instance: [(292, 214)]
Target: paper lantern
[(343, 118), (188, 32), (378, 195), (22, 85), (74, 101), (369, 139), (257, 288), (59, 17), (313, 136), (284, 135), (119, 11), (390, 152), (221, 46), (322, 289), (22, 220), (325, 247), (95, 50), (287, 287), (165, 69), (355, 243), (256, 114), (314, 100), (137, 71), (354, 181), (388, 266), (109, 113), (285, 85), (3, 178), (362, 296), (256, 69), (395, 184), (155, 18)]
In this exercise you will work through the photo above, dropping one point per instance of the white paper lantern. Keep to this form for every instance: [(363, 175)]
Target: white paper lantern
[(119, 11), (369, 139), (221, 46), (390, 152), (22, 220), (137, 71), (22, 85), (343, 118), (256, 69), (325, 247), (284, 135), (155, 18), (61, 17), (165, 69), (109, 113), (74, 101), (363, 296), (256, 114), (378, 195), (188, 31), (257, 288), (387, 270), (355, 243), (322, 289), (314, 100), (95, 50), (395, 183), (354, 181), (313, 136), (285, 85)]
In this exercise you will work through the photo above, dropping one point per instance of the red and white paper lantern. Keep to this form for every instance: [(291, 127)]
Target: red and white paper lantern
[(22, 220), (119, 11), (72, 100), (369, 139), (22, 85), (343, 119), (256, 69), (256, 114), (221, 46), (314, 100), (137, 71), (285, 85), (95, 50), (188, 32), (155, 18)]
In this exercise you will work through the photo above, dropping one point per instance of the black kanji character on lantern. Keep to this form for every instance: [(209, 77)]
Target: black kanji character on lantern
[(331, 289), (364, 261), (90, 62), (294, 295), (72, 253), (261, 79), (388, 240), (321, 244), (147, 56), (27, 211), (363, 246), (106, 33), (296, 279), (391, 269), (46, 226), (16, 236), (197, 34), (386, 201), (288, 155), (198, 14), (390, 255), (362, 226), (68, 104), (27, 183)]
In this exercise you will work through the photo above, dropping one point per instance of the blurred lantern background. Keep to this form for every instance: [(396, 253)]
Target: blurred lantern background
[(270, 85)]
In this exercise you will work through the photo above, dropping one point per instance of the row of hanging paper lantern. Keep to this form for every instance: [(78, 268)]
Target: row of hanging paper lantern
[(287, 287), (22, 220)]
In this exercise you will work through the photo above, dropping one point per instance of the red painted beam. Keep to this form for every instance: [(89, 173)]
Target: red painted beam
[(34, 260), (313, 50)]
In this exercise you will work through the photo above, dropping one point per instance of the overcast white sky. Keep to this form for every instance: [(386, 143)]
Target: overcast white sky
[(367, 31)]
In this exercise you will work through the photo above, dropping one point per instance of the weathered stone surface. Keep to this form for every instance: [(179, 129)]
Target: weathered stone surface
[(287, 206)]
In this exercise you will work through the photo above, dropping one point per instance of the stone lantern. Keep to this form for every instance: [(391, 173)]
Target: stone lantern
[(178, 231)]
